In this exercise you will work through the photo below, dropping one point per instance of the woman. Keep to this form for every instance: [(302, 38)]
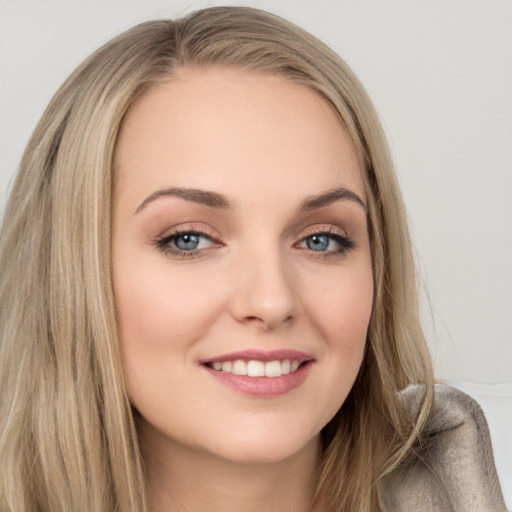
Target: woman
[(210, 285)]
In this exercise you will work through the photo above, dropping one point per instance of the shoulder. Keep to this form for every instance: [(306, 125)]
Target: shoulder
[(453, 469)]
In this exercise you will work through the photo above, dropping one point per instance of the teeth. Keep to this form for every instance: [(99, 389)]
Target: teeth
[(239, 368), (227, 367), (255, 368), (273, 369)]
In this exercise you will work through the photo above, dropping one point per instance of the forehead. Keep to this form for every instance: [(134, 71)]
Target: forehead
[(222, 127)]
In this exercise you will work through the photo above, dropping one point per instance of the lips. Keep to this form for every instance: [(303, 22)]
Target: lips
[(255, 368), (260, 374)]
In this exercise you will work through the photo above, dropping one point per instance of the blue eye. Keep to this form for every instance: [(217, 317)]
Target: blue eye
[(327, 243), (186, 242), (318, 242)]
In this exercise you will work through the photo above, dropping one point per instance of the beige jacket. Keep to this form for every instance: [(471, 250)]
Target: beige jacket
[(456, 472)]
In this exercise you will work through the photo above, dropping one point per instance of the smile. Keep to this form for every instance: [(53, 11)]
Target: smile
[(259, 373), (254, 368)]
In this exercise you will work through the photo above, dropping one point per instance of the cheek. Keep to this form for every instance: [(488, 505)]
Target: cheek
[(161, 300), (341, 314), (342, 310), (162, 313)]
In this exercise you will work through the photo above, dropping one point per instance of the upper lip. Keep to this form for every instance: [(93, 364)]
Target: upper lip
[(260, 355)]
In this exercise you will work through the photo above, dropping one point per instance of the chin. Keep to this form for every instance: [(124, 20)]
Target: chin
[(265, 448)]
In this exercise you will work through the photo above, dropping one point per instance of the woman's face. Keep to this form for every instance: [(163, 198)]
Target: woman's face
[(240, 245)]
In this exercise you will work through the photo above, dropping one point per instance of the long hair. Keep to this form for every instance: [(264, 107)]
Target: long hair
[(68, 441)]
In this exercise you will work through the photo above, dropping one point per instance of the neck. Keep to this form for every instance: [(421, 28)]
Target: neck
[(182, 479)]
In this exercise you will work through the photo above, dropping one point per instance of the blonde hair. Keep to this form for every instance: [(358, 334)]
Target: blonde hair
[(67, 434)]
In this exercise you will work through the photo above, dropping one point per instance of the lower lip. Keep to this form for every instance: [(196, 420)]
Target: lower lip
[(262, 387)]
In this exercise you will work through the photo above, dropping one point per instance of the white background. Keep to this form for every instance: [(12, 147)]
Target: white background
[(440, 74)]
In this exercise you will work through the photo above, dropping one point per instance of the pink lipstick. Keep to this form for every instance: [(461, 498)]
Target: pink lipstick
[(259, 373)]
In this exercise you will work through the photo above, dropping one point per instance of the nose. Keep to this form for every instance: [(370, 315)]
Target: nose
[(265, 293)]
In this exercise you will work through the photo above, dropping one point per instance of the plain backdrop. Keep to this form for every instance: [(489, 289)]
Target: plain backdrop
[(440, 74)]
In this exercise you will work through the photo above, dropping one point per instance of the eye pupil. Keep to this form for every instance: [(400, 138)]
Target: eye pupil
[(318, 242), (187, 242)]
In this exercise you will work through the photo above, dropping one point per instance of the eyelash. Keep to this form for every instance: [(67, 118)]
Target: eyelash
[(345, 243), (164, 244)]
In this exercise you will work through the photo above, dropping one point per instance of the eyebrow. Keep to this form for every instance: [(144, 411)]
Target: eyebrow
[(212, 199), (216, 200), (329, 197)]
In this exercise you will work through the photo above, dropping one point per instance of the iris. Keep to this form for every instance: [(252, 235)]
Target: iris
[(187, 242), (318, 242)]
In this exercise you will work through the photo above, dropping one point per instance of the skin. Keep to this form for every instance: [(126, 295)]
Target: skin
[(266, 145)]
